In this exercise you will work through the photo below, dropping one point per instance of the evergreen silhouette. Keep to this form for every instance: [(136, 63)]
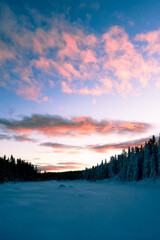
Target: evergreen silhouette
[(16, 170), (133, 165)]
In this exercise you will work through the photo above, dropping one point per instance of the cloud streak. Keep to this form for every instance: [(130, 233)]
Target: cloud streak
[(78, 126), (61, 166), (99, 148), (122, 145), (59, 148), (18, 138), (57, 145)]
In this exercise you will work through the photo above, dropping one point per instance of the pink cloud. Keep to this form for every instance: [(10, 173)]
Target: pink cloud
[(45, 99), (61, 148), (43, 40), (69, 67), (70, 49), (51, 83), (103, 148), (66, 70), (29, 92), (94, 101), (122, 59), (126, 62), (78, 126), (66, 88), (37, 46), (153, 41), (88, 56), (67, 55), (116, 42), (6, 54), (42, 63), (100, 148), (97, 90), (58, 146), (62, 71), (90, 40), (61, 166)]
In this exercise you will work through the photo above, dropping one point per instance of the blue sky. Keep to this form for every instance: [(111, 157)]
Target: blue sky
[(78, 80)]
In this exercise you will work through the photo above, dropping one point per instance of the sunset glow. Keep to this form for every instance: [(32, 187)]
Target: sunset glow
[(79, 81)]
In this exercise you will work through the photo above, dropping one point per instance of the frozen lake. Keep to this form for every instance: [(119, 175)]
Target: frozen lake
[(74, 210)]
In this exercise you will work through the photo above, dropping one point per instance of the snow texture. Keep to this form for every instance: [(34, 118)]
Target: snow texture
[(80, 210)]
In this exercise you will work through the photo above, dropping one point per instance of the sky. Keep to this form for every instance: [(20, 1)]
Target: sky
[(79, 80)]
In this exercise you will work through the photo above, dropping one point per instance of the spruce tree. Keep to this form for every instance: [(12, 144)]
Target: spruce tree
[(147, 157), (154, 161), (158, 156)]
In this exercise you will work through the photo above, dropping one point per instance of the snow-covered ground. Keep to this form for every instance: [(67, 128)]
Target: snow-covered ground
[(73, 210)]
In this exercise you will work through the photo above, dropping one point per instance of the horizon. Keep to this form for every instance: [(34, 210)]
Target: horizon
[(79, 81), (125, 148)]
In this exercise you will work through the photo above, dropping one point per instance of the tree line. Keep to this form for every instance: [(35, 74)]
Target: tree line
[(135, 164), (12, 170)]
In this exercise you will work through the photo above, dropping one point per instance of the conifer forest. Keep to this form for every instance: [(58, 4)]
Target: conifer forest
[(135, 164)]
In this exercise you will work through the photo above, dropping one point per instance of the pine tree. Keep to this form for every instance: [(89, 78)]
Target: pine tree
[(130, 164), (112, 168), (147, 157), (153, 163), (123, 171), (158, 156), (136, 167)]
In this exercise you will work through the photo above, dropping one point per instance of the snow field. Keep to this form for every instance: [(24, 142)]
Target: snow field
[(74, 210)]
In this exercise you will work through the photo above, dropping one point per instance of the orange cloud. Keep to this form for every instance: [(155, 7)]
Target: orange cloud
[(58, 126)]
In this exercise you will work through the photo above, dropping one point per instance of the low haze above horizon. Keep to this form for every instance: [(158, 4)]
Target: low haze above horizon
[(79, 80)]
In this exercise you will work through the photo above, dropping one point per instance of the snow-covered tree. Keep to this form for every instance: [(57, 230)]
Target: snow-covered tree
[(147, 157), (158, 155), (123, 171), (153, 161), (130, 165), (136, 165), (112, 168)]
